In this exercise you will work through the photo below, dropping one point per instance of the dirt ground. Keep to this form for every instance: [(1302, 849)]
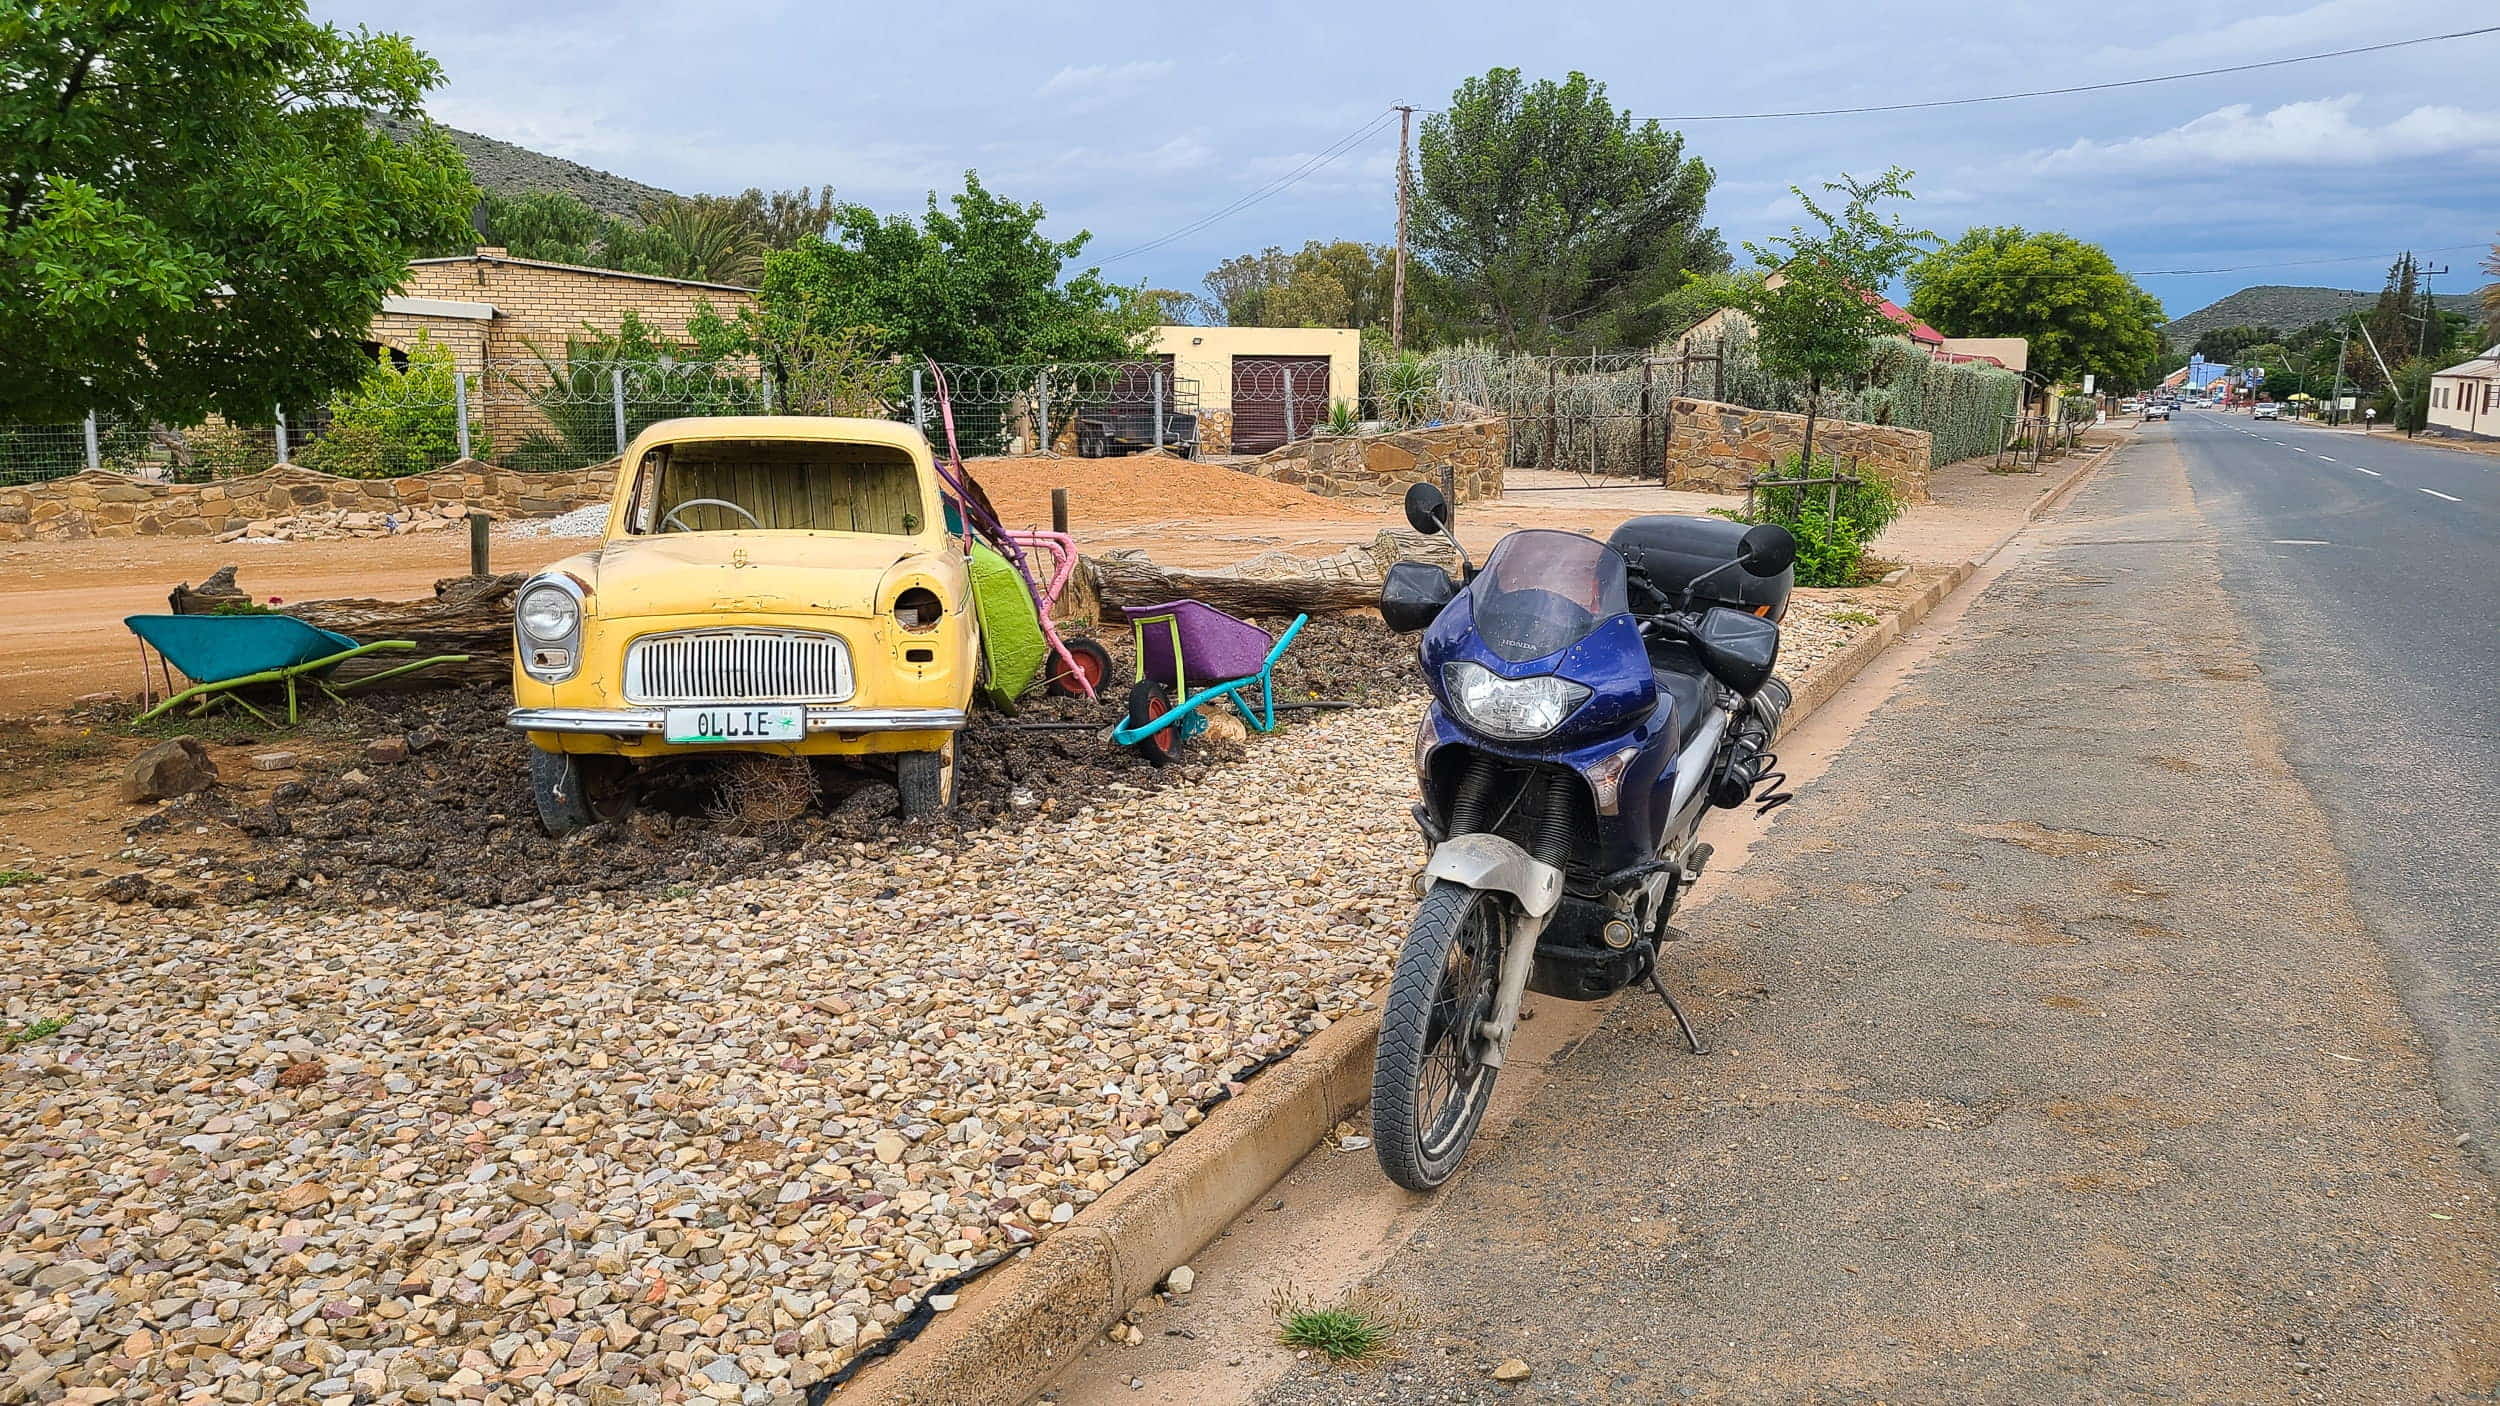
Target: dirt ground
[(451, 822)]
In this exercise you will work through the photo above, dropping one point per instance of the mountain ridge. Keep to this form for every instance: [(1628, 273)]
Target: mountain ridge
[(505, 168), (2285, 308)]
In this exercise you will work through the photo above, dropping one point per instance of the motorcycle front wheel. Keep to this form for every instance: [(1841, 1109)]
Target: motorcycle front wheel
[(1429, 1084)]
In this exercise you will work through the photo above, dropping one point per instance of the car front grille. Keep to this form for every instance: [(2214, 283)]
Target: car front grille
[(738, 666)]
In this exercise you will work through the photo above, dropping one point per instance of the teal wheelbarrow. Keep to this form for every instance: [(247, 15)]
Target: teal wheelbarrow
[(224, 654), (1189, 654)]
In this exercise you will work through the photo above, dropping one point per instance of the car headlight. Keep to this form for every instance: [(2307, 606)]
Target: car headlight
[(547, 629), (549, 612), (1513, 709)]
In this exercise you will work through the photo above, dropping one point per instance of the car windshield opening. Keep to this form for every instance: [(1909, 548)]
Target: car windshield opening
[(745, 485)]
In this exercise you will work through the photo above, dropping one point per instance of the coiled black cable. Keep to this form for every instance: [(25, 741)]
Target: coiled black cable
[(1768, 796)]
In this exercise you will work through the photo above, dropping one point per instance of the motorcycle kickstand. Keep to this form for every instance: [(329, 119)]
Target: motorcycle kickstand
[(1659, 985)]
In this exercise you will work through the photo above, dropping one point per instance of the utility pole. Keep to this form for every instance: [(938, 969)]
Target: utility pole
[(2335, 406), (2430, 315), (1397, 283)]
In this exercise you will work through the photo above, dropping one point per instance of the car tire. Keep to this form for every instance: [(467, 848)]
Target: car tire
[(926, 781), (574, 792)]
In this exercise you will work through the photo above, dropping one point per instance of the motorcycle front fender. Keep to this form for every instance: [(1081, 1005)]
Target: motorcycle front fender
[(1491, 863)]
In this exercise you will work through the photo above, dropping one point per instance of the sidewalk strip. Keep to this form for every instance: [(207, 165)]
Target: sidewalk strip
[(1018, 1326)]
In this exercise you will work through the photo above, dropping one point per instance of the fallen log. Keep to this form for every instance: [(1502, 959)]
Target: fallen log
[(1271, 583), (469, 615)]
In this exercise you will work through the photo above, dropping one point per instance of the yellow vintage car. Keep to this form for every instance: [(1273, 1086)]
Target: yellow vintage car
[(778, 584)]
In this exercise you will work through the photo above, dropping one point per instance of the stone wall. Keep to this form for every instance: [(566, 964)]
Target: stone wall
[(114, 505), (1382, 465), (1716, 447)]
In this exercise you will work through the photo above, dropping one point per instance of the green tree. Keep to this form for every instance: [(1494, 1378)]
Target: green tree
[(1549, 216), (397, 420), (1332, 283), (2401, 317), (554, 225), (712, 238), (195, 214), (976, 284), (1814, 312), (2226, 343), (2063, 296)]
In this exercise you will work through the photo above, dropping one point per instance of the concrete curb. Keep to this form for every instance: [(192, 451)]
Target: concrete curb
[(1013, 1330)]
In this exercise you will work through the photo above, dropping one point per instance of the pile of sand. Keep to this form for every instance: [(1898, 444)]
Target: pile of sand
[(1143, 488)]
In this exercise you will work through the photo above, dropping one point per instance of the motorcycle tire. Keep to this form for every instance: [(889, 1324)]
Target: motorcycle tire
[(1428, 1097)]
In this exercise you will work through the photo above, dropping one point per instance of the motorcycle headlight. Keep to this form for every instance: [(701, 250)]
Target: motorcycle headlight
[(549, 613), (1515, 710)]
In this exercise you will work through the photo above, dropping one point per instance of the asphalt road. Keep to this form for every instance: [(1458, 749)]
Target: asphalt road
[(2053, 1060), (2369, 570)]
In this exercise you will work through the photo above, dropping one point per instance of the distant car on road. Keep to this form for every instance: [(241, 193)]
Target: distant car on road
[(2269, 411), (2157, 411)]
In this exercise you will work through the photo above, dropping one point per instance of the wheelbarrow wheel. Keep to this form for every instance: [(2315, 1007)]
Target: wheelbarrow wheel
[(1148, 701), (927, 781), (1085, 673)]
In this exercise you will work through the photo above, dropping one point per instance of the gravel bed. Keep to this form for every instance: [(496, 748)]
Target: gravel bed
[(628, 1148), (591, 521), (601, 1150)]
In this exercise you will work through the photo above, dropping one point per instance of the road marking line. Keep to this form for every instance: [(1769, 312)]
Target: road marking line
[(2297, 542), (2329, 458), (2356, 468), (2437, 494)]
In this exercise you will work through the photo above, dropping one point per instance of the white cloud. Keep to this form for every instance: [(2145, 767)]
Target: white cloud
[(2319, 132), (1093, 84)]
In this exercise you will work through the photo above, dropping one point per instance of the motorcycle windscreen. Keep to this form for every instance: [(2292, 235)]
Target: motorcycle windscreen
[(1544, 591)]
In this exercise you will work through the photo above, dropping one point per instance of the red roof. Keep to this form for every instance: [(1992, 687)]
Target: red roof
[(1919, 331)]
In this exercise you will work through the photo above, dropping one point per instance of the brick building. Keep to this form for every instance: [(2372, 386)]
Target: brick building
[(493, 310)]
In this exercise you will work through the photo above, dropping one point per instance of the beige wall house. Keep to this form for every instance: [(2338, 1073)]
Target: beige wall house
[(1240, 375), (2465, 398), (492, 309)]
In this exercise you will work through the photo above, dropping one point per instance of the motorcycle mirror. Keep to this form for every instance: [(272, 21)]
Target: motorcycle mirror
[(1766, 549), (1426, 510)]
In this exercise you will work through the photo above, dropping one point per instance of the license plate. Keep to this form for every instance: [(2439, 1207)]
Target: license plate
[(728, 724)]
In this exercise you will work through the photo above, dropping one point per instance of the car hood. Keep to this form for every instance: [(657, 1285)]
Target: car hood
[(764, 573)]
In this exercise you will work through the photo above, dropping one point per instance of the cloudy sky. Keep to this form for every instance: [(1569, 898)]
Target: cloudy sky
[(1138, 123)]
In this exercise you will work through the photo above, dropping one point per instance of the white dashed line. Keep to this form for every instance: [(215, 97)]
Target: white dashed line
[(2439, 495), (2356, 468), (2297, 542), (2329, 458)]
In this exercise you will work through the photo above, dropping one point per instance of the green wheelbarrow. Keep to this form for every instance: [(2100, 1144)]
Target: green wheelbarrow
[(222, 654)]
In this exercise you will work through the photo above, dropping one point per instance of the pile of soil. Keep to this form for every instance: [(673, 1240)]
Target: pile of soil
[(453, 823), (1142, 488)]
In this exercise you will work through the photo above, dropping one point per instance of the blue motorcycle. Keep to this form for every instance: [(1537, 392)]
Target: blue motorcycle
[(1591, 702)]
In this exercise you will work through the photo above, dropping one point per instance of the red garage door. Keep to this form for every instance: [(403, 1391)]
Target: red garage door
[(1259, 389)]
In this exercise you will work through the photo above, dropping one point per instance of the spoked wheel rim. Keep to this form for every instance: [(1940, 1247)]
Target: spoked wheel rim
[(1451, 1073)]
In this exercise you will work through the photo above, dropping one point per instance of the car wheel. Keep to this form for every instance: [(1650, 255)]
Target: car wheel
[(927, 781), (574, 792)]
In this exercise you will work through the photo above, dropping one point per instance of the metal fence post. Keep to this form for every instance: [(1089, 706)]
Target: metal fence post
[(1158, 381), (280, 412), (1042, 431), (1289, 405), (95, 460), (919, 407), (460, 404), (616, 383), (765, 381)]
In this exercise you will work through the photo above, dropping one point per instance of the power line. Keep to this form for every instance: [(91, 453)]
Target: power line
[(1324, 157), (2079, 88)]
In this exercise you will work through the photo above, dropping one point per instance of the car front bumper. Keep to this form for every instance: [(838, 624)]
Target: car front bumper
[(648, 722)]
